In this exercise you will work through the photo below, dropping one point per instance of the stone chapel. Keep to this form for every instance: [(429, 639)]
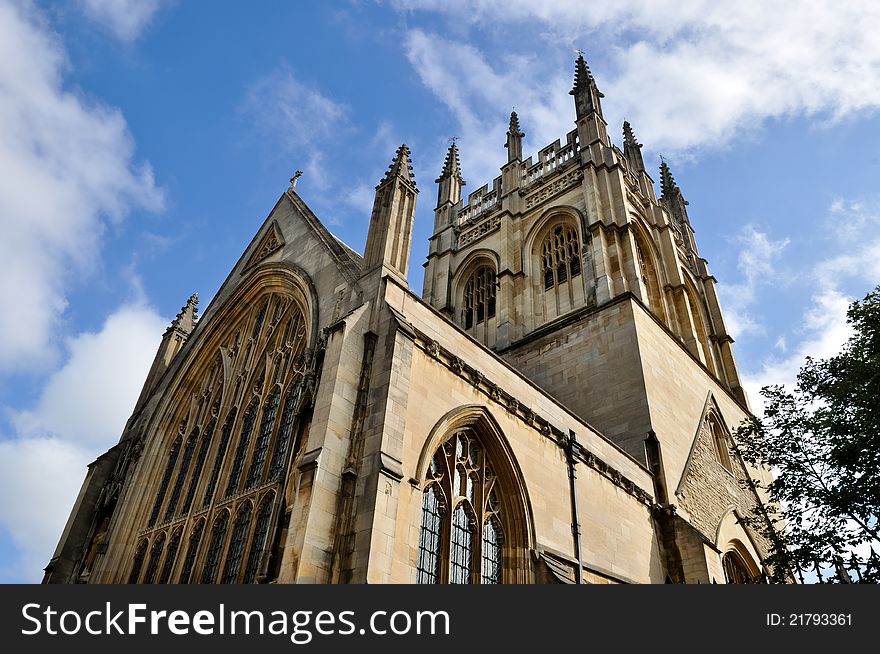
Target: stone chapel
[(555, 406)]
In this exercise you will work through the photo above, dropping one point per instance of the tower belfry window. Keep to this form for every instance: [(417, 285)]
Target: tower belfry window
[(560, 256), (479, 297)]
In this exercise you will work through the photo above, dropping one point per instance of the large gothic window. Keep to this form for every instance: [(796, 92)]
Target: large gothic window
[(460, 539), (560, 256), (251, 370), (479, 297)]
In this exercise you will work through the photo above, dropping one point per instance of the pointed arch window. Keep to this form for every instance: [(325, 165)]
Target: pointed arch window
[(170, 556), (560, 256), (236, 545), (479, 296), (247, 428), (192, 551), (139, 556), (719, 441), (215, 548), (258, 545), (155, 555), (188, 452), (267, 425), (218, 458), (166, 479), (462, 545)]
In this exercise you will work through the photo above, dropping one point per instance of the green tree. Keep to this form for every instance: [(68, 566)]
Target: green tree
[(822, 441)]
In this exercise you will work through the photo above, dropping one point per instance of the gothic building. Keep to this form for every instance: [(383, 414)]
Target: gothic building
[(555, 406)]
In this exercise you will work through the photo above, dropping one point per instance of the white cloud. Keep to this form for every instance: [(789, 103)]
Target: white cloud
[(300, 118), (481, 95), (758, 264), (686, 74), (125, 19), (65, 163), (850, 267), (80, 414)]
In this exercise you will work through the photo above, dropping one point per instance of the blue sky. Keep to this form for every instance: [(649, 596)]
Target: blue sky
[(143, 142)]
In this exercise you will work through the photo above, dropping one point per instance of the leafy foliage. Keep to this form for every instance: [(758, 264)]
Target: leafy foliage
[(822, 441)]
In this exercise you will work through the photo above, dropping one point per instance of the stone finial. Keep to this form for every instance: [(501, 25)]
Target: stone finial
[(632, 149), (452, 165), (514, 139), (514, 129), (586, 93), (400, 167), (668, 187), (187, 317), (583, 78), (294, 179)]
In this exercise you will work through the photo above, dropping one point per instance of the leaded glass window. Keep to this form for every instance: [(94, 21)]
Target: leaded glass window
[(735, 570), (258, 460), (462, 545), (218, 459), (155, 555), (430, 538), (259, 541), (560, 256), (247, 428), (284, 434), (491, 553), (139, 556), (236, 545), (192, 551), (166, 479), (479, 296), (170, 556), (188, 452), (197, 469), (215, 548), (462, 554)]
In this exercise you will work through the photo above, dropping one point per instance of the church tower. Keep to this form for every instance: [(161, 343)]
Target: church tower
[(556, 406)]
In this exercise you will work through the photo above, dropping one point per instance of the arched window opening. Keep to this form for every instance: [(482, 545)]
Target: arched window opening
[(139, 556), (170, 556), (166, 479), (560, 256), (719, 440), (188, 452), (215, 548), (247, 428), (192, 551), (735, 569), (259, 542), (267, 425), (218, 459), (462, 546), (236, 545), (479, 296), (155, 555)]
